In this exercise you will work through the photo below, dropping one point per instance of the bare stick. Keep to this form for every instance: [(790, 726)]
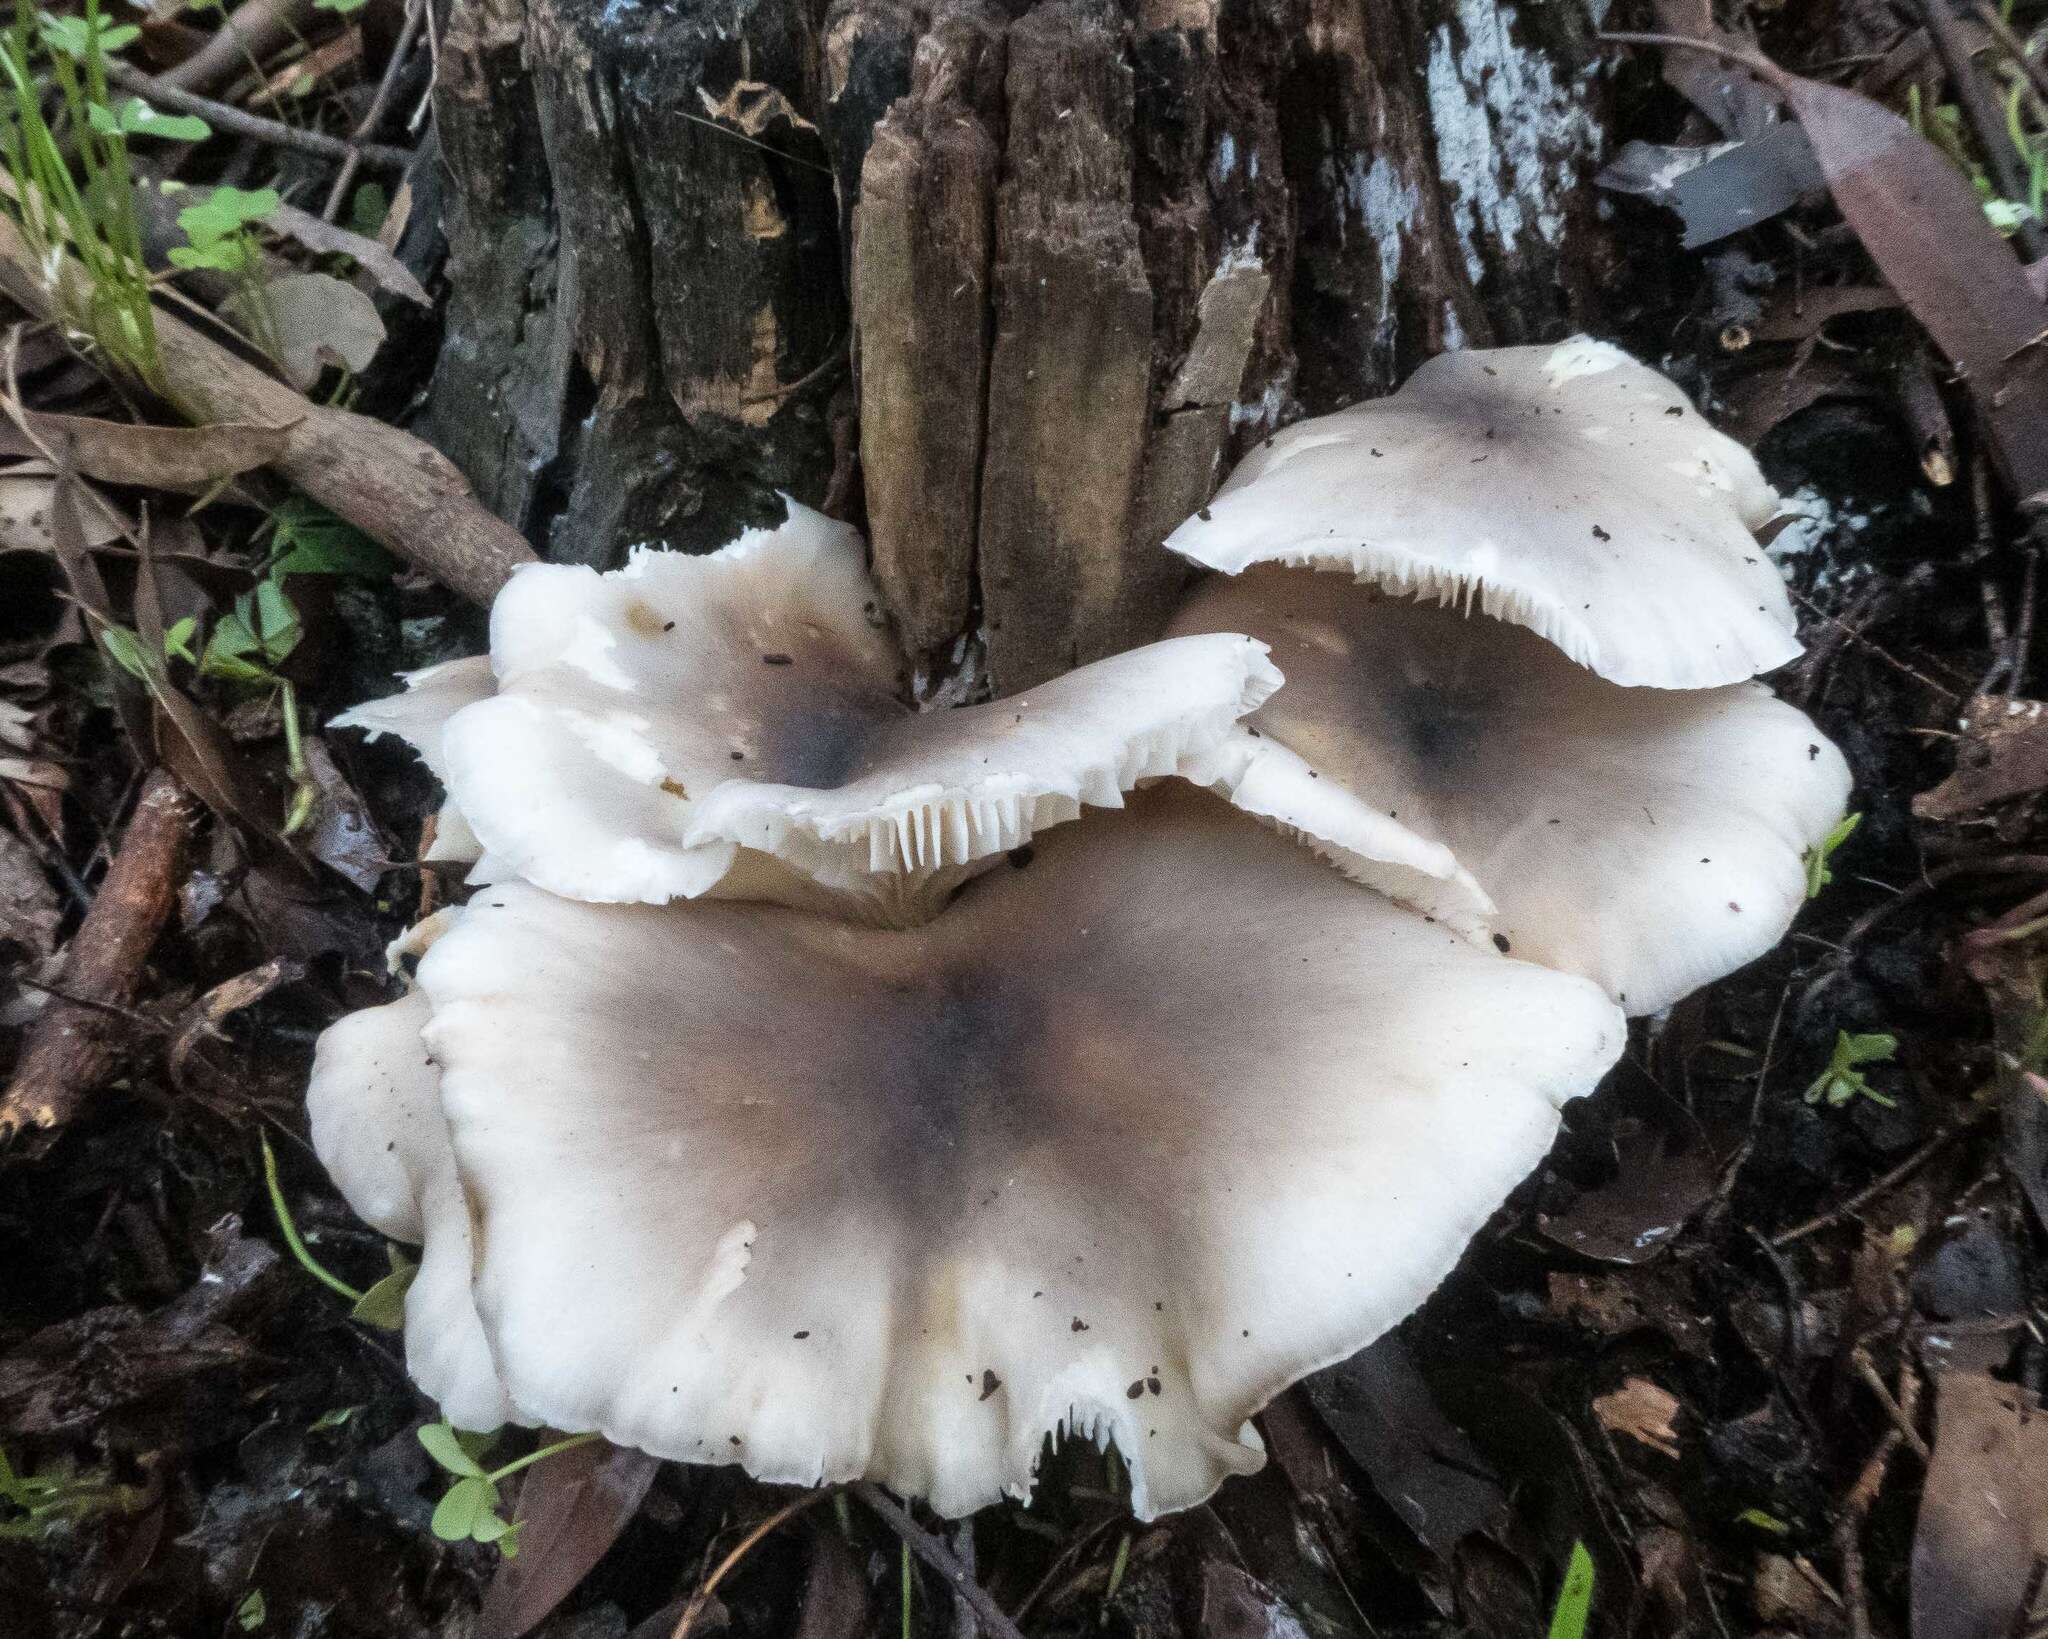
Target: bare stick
[(248, 34), (414, 13), (402, 493), (940, 1558), (70, 1048), (745, 1546), (225, 117)]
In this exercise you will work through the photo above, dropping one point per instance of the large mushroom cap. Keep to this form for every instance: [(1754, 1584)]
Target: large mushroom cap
[(374, 1104), (1568, 489), (1649, 839), (730, 724), (432, 696), (1132, 1137)]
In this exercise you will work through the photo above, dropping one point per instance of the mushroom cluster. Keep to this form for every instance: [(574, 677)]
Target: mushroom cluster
[(801, 1087)]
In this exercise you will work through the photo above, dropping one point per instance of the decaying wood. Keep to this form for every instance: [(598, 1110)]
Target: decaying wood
[(1086, 251), (74, 1042), (402, 493), (923, 240)]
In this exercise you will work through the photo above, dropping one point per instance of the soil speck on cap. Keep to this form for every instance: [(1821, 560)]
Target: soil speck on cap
[(1500, 943), (1079, 1325), (989, 1384), (777, 660)]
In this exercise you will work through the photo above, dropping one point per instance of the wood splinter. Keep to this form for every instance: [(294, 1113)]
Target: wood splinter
[(73, 1043)]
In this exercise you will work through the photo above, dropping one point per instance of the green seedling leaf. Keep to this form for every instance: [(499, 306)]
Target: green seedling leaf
[(1818, 872), (136, 118), (340, 8), (1843, 1079), (1575, 1598), (254, 637), (178, 639), (126, 650), (495, 1528), (250, 1613), (1763, 1522), (310, 540), (332, 1419), (444, 1444), (383, 1306), (467, 1502), (225, 211), (367, 210), (76, 37)]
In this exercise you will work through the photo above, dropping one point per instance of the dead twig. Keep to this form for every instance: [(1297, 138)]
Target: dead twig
[(940, 1558), (257, 127), (69, 1049), (1866, 1369), (402, 493), (400, 52), (1987, 121), (248, 34), (741, 1549), (1871, 1191)]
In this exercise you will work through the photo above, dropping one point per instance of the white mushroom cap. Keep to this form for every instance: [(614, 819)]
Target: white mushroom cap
[(1568, 489), (651, 724), (1263, 777), (432, 696), (375, 1108), (1132, 1137), (1649, 839)]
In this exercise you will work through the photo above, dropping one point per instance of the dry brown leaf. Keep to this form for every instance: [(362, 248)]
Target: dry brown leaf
[(1643, 1412), (307, 321), (1923, 225), (317, 234), (121, 452), (2003, 752), (1984, 1514)]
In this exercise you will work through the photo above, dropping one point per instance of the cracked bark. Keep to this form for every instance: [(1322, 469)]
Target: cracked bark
[(1010, 282)]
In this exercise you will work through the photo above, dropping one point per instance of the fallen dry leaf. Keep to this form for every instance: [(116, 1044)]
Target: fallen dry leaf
[(1984, 1514), (2003, 753), (376, 260), (571, 1510), (1922, 223), (123, 452), (1643, 1412), (307, 321)]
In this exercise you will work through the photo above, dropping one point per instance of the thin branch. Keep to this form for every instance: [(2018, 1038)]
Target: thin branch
[(225, 117), (940, 1558), (400, 52)]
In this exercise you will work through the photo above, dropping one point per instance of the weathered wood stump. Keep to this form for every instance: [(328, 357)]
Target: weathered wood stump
[(1006, 284)]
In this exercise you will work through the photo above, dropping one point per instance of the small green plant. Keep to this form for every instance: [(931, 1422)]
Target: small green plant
[(31, 1504), (73, 197), (1843, 1080), (219, 230), (383, 1305), (1575, 1597), (250, 1614), (257, 635), (469, 1510), (1758, 1519), (1819, 872)]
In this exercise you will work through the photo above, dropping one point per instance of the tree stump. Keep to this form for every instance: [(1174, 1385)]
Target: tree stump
[(1006, 284)]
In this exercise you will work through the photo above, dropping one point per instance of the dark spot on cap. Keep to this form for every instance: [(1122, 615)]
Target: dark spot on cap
[(1135, 1389), (777, 660), (1079, 1325), (1152, 1383), (989, 1384), (1675, 409), (1500, 943), (1600, 534), (734, 1438), (1812, 752), (668, 625), (1379, 452), (800, 1336), (739, 756), (1737, 909), (1204, 515), (1038, 1294)]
